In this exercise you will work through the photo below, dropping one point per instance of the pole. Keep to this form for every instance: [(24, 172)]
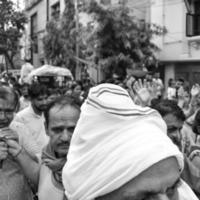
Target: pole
[(6, 64), (77, 42)]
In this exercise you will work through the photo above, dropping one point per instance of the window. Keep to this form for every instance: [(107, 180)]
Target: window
[(193, 20), (192, 25), (197, 7), (55, 11), (34, 30)]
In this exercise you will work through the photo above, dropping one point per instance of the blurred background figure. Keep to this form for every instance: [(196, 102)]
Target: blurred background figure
[(24, 99), (171, 90)]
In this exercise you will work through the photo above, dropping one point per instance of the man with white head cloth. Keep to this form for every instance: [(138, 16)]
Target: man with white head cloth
[(120, 151)]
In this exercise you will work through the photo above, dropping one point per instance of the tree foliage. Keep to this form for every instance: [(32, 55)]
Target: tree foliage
[(116, 40), (12, 24), (60, 39)]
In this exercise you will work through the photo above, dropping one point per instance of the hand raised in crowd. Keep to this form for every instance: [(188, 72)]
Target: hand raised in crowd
[(195, 90), (181, 93), (193, 105), (144, 92), (181, 97)]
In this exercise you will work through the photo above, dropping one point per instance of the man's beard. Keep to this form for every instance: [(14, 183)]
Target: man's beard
[(40, 108)]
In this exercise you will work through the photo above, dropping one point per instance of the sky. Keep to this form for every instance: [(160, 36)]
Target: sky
[(19, 3)]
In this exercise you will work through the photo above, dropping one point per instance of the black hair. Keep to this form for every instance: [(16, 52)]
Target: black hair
[(181, 80), (165, 107), (6, 92), (170, 81), (196, 123), (76, 84), (62, 102), (37, 89)]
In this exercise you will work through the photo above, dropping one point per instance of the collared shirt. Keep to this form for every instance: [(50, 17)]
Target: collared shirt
[(35, 125), (23, 103)]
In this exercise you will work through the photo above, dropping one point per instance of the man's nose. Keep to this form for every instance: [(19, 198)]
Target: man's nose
[(2, 115), (44, 101), (66, 135)]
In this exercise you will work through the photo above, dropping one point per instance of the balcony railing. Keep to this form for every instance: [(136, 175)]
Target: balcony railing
[(192, 25)]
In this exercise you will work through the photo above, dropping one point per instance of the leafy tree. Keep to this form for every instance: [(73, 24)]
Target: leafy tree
[(53, 46), (60, 40), (117, 41), (12, 24)]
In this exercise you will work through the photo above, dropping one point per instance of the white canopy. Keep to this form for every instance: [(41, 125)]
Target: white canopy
[(49, 70)]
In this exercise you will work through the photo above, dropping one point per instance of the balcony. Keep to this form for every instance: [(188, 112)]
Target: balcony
[(29, 4)]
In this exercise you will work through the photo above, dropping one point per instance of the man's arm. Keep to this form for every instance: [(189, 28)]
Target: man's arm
[(30, 167)]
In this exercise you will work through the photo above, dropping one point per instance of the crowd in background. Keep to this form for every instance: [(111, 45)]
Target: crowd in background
[(178, 105)]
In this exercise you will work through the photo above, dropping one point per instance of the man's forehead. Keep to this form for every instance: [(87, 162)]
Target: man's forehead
[(41, 96), (63, 112), (171, 119), (9, 102)]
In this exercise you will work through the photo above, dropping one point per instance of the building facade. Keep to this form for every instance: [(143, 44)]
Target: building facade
[(39, 12), (180, 46)]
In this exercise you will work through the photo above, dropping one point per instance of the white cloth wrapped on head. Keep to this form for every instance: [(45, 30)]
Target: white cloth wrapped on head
[(114, 141)]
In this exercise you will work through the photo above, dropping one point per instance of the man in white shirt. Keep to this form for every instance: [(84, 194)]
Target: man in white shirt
[(24, 99), (16, 150), (26, 69), (61, 118), (33, 117)]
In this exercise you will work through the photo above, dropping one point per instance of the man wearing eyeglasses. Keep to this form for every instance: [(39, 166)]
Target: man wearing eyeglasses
[(16, 150)]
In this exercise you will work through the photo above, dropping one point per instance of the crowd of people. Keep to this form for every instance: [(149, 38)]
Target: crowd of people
[(117, 140)]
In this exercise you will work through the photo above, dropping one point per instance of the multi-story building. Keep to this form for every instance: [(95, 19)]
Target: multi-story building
[(180, 46), (39, 12)]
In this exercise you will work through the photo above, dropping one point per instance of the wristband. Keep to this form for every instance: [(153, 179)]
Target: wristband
[(17, 154)]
